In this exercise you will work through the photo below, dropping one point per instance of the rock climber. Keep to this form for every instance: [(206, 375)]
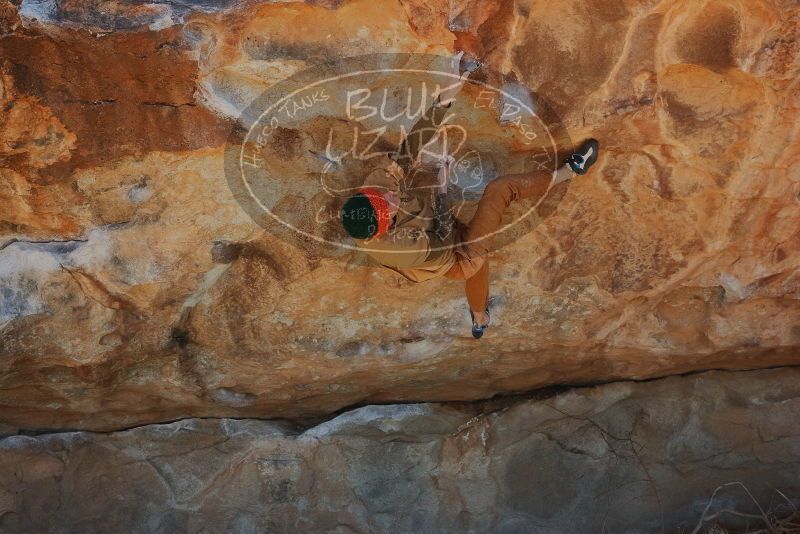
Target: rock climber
[(414, 234)]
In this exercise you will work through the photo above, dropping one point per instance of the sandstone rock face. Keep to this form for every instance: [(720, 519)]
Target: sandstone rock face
[(621, 457), (135, 288)]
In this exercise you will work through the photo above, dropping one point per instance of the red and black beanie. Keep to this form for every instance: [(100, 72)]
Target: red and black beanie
[(366, 214)]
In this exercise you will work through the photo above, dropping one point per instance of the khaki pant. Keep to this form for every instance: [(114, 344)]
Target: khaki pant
[(473, 240)]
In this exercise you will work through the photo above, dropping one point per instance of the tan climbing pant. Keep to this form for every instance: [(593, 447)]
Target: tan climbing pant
[(473, 241)]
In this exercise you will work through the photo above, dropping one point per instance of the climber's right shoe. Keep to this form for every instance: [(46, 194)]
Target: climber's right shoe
[(584, 157), (477, 330)]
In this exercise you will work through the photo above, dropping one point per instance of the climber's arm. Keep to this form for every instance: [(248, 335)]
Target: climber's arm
[(440, 237), (442, 218)]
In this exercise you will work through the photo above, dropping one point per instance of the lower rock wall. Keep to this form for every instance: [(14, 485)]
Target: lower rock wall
[(622, 457)]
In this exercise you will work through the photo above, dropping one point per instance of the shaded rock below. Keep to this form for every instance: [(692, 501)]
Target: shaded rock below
[(623, 457)]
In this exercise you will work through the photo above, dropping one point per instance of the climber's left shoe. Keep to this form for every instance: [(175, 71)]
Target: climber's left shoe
[(584, 157), (477, 330)]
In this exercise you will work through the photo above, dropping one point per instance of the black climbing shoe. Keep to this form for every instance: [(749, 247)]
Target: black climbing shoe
[(477, 331), (584, 157)]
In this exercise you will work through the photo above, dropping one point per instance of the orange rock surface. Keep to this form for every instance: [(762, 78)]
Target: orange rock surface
[(135, 289)]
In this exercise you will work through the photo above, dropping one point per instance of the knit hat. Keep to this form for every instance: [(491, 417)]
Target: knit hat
[(366, 214)]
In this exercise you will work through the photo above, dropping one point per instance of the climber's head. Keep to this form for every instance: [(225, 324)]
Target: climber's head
[(369, 212)]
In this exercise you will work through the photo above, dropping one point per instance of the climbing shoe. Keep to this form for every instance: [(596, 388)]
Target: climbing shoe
[(477, 330), (584, 157)]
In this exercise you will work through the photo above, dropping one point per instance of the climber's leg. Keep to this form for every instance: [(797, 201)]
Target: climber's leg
[(476, 282), (476, 285), (474, 240), (501, 192), (497, 197), (477, 289), (472, 260)]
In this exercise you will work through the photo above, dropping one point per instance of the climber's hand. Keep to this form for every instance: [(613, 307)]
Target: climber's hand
[(446, 169)]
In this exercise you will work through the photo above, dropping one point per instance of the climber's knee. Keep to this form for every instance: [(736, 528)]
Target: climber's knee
[(500, 188), (494, 187)]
